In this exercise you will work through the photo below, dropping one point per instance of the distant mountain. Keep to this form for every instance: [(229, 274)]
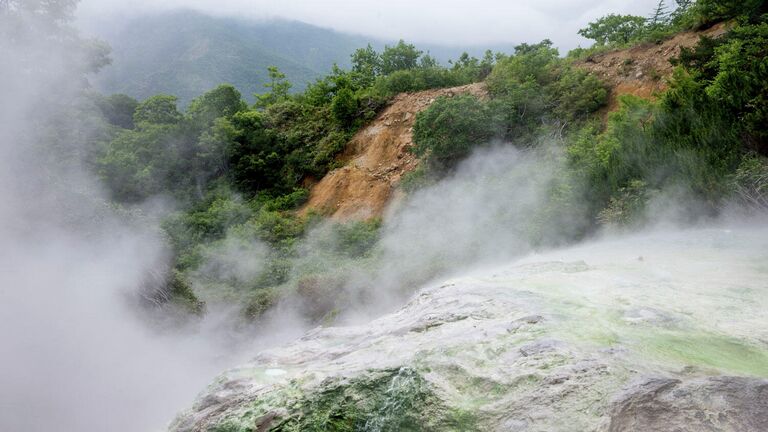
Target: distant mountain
[(186, 53)]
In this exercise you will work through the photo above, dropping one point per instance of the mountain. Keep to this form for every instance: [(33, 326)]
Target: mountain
[(186, 53)]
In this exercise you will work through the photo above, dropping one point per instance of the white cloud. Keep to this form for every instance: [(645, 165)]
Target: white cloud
[(449, 22)]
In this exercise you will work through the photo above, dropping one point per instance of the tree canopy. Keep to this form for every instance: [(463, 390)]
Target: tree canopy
[(614, 29)]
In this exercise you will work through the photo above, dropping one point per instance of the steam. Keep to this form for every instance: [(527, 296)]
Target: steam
[(75, 354), (493, 209)]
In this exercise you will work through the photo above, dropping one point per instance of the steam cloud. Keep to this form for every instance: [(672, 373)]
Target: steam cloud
[(488, 212), (75, 354)]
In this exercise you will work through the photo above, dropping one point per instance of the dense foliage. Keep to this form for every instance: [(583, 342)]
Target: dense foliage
[(704, 132), (533, 93)]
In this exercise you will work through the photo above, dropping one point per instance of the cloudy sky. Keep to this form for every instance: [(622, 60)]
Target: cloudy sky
[(449, 22)]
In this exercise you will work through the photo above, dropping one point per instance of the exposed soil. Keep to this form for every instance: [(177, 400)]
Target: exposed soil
[(376, 158), (643, 69)]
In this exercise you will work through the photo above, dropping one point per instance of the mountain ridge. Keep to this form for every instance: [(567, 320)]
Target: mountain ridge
[(186, 53)]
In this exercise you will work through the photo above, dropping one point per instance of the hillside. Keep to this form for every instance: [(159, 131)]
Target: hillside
[(642, 70), (377, 157)]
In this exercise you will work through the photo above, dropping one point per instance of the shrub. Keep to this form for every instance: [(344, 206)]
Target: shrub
[(708, 12), (627, 206), (355, 239), (450, 128), (750, 182), (344, 106), (577, 94)]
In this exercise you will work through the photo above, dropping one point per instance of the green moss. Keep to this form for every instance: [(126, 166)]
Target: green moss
[(674, 343), (385, 400), (707, 350)]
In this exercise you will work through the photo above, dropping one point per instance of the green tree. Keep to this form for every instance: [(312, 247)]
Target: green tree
[(51, 13), (531, 63), (427, 61), (366, 61), (278, 88), (143, 162), (712, 11), (38, 25), (402, 56), (255, 160), (486, 64), (118, 109), (159, 109), (223, 101), (741, 82), (615, 29)]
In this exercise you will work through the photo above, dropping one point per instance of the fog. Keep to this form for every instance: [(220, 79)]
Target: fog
[(77, 352), (436, 22)]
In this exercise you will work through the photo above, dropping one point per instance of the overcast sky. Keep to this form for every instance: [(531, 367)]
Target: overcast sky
[(449, 22)]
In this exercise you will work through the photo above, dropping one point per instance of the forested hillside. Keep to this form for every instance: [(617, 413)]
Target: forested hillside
[(239, 172)]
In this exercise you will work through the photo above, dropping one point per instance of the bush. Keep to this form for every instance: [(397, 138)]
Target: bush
[(577, 94), (750, 182), (355, 239), (344, 106), (447, 131), (708, 12), (627, 206), (118, 109)]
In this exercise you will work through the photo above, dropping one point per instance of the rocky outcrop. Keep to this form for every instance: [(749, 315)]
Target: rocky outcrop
[(732, 404), (376, 158), (586, 339)]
